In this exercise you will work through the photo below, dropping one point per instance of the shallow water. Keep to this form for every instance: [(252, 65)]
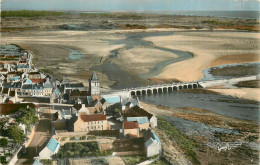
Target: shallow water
[(215, 103), (125, 79)]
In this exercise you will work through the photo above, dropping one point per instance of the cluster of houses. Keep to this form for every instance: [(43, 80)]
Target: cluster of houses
[(91, 111), (100, 112)]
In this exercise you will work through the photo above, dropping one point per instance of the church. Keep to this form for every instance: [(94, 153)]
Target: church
[(94, 85)]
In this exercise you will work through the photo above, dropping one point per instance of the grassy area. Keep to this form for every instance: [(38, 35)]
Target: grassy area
[(160, 162), (82, 149), (31, 13), (187, 145), (132, 160), (239, 101), (249, 84), (215, 22), (236, 71), (200, 91), (46, 71)]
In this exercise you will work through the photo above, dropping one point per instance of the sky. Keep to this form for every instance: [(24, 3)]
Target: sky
[(130, 5)]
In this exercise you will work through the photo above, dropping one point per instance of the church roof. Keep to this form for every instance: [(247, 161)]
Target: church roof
[(94, 76)]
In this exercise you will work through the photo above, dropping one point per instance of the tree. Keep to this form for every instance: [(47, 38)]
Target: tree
[(3, 142), (3, 160), (16, 134), (28, 117)]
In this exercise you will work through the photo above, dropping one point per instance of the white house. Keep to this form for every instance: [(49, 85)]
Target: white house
[(152, 145), (52, 148)]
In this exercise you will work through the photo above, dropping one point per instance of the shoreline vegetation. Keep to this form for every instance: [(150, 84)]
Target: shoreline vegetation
[(119, 20)]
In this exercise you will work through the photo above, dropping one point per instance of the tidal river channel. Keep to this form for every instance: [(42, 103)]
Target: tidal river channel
[(224, 105)]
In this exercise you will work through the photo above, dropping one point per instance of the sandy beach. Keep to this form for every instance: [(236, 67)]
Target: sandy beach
[(207, 47)]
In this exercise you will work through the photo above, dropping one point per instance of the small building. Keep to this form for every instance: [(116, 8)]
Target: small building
[(80, 109), (137, 111), (112, 99), (52, 148), (130, 129), (143, 122), (91, 123), (34, 75), (152, 144)]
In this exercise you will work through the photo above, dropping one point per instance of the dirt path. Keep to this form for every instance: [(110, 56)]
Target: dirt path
[(38, 142)]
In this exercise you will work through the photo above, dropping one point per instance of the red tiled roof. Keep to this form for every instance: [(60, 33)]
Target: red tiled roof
[(37, 80), (10, 102), (3, 70), (32, 73), (96, 117), (131, 125), (22, 62), (12, 93), (14, 72)]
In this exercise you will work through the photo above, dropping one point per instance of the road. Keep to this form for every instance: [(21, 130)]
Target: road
[(38, 142)]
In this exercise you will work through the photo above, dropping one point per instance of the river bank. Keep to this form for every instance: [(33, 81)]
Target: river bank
[(205, 127)]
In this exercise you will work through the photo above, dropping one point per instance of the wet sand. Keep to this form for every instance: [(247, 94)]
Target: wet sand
[(207, 47)]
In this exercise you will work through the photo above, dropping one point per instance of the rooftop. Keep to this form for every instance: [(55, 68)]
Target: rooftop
[(96, 117), (52, 145), (142, 112), (140, 120), (131, 125), (113, 99)]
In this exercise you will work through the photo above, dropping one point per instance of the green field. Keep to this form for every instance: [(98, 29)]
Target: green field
[(31, 13)]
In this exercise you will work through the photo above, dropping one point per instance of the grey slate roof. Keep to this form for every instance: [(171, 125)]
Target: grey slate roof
[(94, 76)]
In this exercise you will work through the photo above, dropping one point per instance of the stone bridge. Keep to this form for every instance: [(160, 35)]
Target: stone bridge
[(163, 88)]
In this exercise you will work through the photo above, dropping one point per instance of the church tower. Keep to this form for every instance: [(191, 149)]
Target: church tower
[(94, 86)]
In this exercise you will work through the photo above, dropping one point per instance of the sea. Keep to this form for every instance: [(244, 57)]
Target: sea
[(224, 14)]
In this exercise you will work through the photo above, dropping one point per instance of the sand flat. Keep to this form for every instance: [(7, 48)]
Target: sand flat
[(244, 93), (207, 47)]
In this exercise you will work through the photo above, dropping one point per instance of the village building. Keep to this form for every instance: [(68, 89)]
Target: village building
[(79, 108), (143, 122), (34, 75), (68, 88), (152, 144), (51, 149), (130, 129), (14, 76), (91, 123), (23, 68), (138, 112), (76, 94)]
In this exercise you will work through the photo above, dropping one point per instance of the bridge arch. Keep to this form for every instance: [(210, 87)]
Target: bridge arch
[(195, 86), (160, 90), (170, 89), (185, 87), (165, 89), (175, 88), (143, 92), (155, 90), (189, 86), (133, 93), (180, 87), (138, 93), (149, 91)]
